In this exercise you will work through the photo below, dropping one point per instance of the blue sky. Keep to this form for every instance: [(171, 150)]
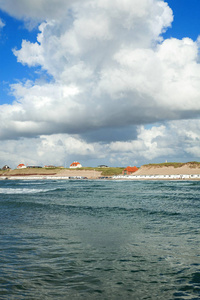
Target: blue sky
[(186, 19), (11, 71), (96, 83)]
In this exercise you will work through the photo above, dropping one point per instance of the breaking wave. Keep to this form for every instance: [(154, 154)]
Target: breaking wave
[(23, 191)]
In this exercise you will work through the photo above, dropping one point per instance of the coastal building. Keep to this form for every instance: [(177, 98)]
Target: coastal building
[(75, 165), (21, 166), (33, 167), (102, 166), (6, 167), (53, 167), (49, 166), (129, 170)]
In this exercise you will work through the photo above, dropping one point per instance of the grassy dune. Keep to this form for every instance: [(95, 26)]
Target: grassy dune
[(103, 171), (31, 171), (192, 164), (106, 171), (56, 171)]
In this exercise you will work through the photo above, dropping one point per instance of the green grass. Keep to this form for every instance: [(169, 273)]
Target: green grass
[(110, 171), (192, 164), (28, 171), (105, 171)]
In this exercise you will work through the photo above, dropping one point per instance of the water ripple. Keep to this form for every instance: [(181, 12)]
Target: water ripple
[(99, 240)]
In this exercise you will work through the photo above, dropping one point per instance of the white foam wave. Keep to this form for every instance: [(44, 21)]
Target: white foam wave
[(30, 183), (23, 191)]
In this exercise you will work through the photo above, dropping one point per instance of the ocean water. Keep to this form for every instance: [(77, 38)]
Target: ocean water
[(87, 239)]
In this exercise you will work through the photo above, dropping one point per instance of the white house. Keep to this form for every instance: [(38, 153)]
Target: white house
[(21, 166), (75, 165)]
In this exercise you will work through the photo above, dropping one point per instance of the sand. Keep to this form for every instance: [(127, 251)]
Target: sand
[(90, 174), (186, 169), (153, 170), (54, 173)]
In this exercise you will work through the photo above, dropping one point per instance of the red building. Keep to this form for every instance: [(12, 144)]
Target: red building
[(129, 170), (21, 166), (75, 165)]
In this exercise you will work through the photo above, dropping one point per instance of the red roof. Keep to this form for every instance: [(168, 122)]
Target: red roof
[(21, 165), (74, 164), (131, 169)]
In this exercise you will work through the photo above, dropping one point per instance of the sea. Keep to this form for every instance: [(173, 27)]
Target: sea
[(99, 239)]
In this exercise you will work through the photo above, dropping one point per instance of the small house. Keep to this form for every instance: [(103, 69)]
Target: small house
[(49, 167), (6, 167), (75, 165), (34, 167), (129, 170), (21, 166), (102, 166)]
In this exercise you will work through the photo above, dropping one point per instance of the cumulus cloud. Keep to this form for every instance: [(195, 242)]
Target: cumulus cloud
[(112, 74), (154, 144), (133, 86), (88, 53), (37, 9), (59, 150), (173, 141)]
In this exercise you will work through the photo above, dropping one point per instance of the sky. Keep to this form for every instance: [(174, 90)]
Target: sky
[(100, 82)]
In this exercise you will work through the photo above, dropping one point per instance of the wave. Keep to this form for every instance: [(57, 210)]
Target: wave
[(23, 190), (29, 182), (108, 210)]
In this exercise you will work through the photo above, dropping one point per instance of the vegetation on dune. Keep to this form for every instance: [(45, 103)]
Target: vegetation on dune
[(55, 170), (28, 171), (192, 164), (110, 171), (105, 171)]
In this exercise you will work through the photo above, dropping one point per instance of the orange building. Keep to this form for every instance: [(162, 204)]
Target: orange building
[(75, 165), (21, 166), (129, 170)]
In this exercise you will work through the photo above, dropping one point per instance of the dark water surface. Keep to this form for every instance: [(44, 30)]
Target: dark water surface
[(99, 240)]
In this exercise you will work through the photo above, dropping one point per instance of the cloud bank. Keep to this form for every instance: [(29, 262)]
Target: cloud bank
[(117, 87)]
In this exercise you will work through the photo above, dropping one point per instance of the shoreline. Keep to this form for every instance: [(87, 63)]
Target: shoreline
[(187, 171), (49, 174), (113, 178)]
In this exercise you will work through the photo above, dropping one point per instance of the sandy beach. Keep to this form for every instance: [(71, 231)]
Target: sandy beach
[(186, 169), (166, 171), (176, 171), (51, 173)]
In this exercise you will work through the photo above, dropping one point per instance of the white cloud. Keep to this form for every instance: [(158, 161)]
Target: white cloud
[(110, 69), (37, 9), (60, 149), (147, 145), (30, 54), (174, 141), (133, 86)]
